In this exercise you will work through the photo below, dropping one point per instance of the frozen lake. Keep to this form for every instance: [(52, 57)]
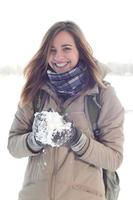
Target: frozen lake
[(12, 170)]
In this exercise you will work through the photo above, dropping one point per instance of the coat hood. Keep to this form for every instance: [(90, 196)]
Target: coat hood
[(104, 69)]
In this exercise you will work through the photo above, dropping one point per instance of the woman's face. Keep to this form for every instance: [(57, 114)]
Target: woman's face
[(64, 54)]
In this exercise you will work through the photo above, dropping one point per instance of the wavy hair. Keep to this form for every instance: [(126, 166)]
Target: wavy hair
[(35, 71)]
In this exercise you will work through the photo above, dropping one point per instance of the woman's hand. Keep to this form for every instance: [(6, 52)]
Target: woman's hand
[(36, 140), (73, 138)]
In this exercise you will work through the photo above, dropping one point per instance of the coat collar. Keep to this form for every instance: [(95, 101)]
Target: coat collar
[(50, 90)]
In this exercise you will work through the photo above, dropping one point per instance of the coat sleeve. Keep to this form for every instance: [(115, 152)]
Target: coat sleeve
[(19, 130), (108, 153)]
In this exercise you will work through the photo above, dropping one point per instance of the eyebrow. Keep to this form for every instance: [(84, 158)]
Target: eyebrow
[(64, 45)]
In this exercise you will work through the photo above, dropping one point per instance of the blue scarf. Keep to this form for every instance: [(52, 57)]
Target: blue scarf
[(71, 82)]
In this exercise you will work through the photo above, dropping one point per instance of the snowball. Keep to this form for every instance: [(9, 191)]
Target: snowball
[(47, 124)]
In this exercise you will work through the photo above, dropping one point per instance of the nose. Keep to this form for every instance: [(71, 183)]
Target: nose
[(58, 56)]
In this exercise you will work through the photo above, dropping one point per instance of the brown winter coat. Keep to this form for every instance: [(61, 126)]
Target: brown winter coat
[(57, 173)]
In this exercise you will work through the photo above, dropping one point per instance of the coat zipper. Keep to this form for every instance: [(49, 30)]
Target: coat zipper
[(60, 109), (54, 172)]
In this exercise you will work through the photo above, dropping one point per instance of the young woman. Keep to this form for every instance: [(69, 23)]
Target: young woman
[(64, 68)]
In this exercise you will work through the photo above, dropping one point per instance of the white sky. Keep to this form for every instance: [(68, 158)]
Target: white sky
[(107, 25)]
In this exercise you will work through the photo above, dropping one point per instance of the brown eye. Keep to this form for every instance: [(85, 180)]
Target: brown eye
[(67, 49), (52, 50)]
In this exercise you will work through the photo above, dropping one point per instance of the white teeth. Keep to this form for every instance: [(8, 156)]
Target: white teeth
[(61, 64)]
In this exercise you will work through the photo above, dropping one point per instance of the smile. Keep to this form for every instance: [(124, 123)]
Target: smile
[(61, 64)]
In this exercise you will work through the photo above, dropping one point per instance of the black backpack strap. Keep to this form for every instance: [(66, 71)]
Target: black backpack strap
[(39, 101)]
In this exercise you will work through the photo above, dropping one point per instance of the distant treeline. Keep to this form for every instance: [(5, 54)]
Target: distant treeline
[(115, 68), (121, 68), (8, 69)]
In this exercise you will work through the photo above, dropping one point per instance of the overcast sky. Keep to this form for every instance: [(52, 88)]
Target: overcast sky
[(107, 25)]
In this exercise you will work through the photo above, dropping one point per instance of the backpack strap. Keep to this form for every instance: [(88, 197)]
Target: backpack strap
[(39, 101), (94, 107)]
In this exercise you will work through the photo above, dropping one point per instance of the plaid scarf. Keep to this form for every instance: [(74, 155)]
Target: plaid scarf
[(71, 82)]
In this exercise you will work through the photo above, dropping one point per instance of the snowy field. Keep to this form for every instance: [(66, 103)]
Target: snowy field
[(12, 170)]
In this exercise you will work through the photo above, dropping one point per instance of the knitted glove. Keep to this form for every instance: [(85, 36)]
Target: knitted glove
[(34, 139), (72, 137), (63, 135), (79, 142), (33, 144)]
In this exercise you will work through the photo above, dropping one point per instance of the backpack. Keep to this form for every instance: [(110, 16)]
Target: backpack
[(111, 179)]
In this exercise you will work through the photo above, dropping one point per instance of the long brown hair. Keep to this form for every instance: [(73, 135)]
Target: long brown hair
[(35, 71)]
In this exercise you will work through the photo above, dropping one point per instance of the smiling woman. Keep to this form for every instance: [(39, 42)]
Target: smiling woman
[(60, 78)]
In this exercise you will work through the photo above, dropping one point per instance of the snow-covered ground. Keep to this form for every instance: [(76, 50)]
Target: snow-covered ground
[(12, 170)]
